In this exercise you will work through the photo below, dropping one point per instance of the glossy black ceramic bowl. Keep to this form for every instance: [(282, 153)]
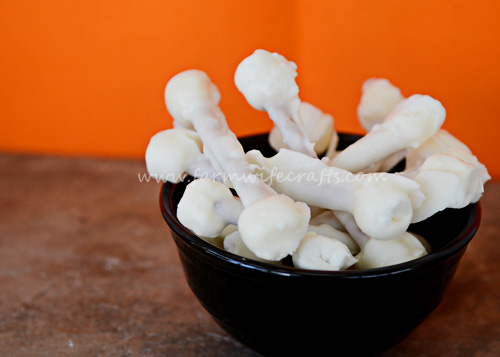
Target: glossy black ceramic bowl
[(290, 312)]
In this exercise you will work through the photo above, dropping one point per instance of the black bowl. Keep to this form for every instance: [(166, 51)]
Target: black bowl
[(289, 311)]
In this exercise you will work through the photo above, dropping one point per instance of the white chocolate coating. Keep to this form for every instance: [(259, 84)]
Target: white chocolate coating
[(347, 219), (197, 208), (267, 80), (187, 92), (219, 142), (381, 203), (386, 164), (224, 148), (173, 152), (272, 228), (379, 97), (439, 143), (412, 122), (380, 253), (375, 210), (318, 127), (383, 210), (452, 179), (234, 244), (327, 217), (322, 253), (330, 232)]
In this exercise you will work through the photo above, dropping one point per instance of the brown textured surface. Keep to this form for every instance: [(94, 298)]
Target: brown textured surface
[(87, 267)]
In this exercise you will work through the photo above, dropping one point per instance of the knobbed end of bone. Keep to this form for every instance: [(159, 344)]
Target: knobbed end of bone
[(170, 152), (267, 79), (416, 119), (187, 92), (380, 253), (452, 179), (383, 210), (196, 209), (273, 227), (322, 253), (318, 127), (378, 99)]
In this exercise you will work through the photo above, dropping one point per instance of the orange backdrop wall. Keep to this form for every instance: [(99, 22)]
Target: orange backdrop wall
[(87, 77)]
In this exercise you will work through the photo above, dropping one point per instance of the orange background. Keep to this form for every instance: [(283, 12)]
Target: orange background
[(87, 77)]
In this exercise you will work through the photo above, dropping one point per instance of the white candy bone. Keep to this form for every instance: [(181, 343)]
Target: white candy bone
[(380, 253), (174, 152), (382, 203), (379, 97), (207, 207), (328, 231), (234, 244), (409, 125), (318, 126), (280, 221), (386, 164), (377, 253), (452, 179), (322, 253), (326, 224), (437, 144), (267, 81), (327, 217), (350, 225), (272, 228)]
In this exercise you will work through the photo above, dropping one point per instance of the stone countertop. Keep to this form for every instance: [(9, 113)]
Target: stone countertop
[(88, 268)]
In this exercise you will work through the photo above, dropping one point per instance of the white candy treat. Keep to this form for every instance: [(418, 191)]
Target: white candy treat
[(322, 253), (267, 81), (188, 92), (276, 140), (234, 244), (373, 253), (386, 164), (380, 253), (319, 212), (327, 217), (218, 140), (272, 228), (412, 122), (331, 151), (174, 152), (352, 227), (437, 144), (318, 126), (330, 232), (287, 228), (379, 97), (382, 204), (452, 179), (197, 208)]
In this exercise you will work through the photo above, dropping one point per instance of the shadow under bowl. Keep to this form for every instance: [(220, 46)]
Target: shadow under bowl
[(288, 311)]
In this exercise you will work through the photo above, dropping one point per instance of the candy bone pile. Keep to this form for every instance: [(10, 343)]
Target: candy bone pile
[(333, 213)]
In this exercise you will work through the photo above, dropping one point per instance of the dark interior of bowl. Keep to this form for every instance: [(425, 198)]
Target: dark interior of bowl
[(288, 311)]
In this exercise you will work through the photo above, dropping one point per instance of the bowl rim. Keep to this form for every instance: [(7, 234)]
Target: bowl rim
[(204, 247)]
